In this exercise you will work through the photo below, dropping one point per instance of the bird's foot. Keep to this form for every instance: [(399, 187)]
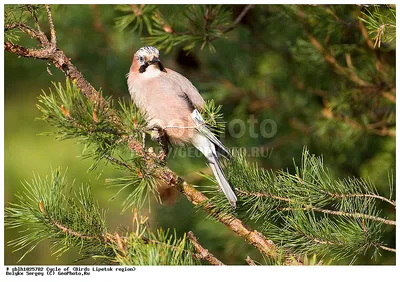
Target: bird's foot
[(162, 139), (162, 156)]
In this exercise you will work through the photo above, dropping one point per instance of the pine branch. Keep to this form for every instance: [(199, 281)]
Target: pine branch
[(313, 204), (346, 214), (51, 53), (333, 195), (202, 24), (327, 211), (329, 58), (197, 198), (202, 253), (76, 221), (47, 209)]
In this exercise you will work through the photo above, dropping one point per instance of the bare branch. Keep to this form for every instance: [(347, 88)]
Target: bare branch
[(388, 249), (250, 261), (53, 38), (41, 36), (239, 18), (35, 19), (203, 253), (26, 52), (236, 21), (24, 28)]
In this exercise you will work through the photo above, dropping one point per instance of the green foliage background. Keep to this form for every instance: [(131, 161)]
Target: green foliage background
[(266, 68)]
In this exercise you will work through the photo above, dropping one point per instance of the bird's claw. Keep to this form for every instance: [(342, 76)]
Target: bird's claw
[(162, 156), (162, 139)]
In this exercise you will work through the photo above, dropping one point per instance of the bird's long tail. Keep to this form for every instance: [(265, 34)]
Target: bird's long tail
[(223, 183), (207, 147)]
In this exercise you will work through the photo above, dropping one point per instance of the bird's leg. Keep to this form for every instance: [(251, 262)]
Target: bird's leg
[(162, 139)]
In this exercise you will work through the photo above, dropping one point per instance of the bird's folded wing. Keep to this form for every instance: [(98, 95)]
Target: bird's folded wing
[(187, 87)]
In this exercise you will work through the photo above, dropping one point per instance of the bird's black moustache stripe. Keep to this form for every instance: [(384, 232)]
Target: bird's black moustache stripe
[(143, 67), (161, 66)]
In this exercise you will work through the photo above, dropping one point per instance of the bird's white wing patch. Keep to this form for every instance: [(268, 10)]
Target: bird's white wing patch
[(197, 118), (202, 128)]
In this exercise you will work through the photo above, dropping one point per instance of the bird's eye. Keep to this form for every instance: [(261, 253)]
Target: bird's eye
[(141, 59)]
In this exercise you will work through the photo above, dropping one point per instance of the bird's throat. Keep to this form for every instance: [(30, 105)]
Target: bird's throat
[(151, 71)]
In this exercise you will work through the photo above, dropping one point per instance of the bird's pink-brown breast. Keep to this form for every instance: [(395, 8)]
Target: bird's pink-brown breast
[(165, 103)]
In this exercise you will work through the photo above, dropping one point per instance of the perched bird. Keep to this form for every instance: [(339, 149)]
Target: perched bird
[(171, 103)]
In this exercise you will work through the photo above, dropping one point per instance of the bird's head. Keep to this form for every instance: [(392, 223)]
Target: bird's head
[(147, 56)]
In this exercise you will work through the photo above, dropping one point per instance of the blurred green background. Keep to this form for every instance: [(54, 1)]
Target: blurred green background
[(266, 68)]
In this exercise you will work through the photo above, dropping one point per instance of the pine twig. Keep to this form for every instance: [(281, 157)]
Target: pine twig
[(388, 249), (340, 196), (384, 131), (24, 28), (364, 33), (235, 22), (389, 96), (239, 18), (63, 228), (250, 261), (35, 19), (327, 211), (53, 38), (329, 58), (203, 253), (347, 214), (118, 162)]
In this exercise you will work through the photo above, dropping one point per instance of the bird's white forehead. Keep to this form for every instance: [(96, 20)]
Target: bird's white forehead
[(148, 50)]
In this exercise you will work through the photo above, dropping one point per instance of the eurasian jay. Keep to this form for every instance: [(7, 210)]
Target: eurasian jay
[(171, 103)]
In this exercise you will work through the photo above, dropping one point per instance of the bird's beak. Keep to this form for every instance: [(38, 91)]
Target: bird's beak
[(156, 60)]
